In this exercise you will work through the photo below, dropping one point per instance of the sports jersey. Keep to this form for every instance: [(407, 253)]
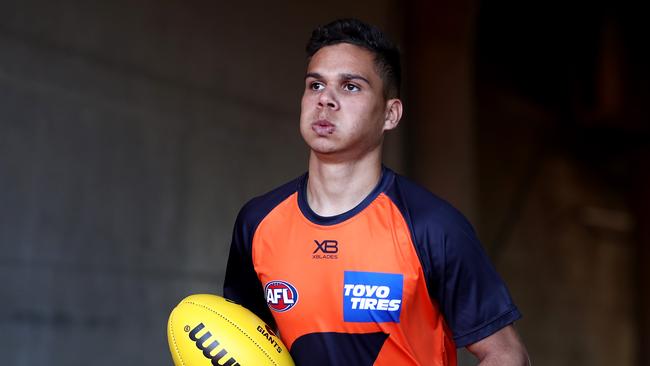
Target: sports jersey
[(400, 279)]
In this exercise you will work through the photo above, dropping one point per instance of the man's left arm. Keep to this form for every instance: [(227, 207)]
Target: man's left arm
[(502, 348), (475, 300)]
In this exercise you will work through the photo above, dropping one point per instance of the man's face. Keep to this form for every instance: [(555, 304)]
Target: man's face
[(343, 107)]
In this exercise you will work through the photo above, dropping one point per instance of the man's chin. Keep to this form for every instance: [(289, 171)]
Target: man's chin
[(322, 144), (324, 150)]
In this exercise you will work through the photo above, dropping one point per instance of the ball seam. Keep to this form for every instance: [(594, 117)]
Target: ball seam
[(236, 326), (178, 353)]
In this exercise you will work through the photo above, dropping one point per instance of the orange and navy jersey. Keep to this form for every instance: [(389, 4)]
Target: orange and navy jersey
[(401, 279)]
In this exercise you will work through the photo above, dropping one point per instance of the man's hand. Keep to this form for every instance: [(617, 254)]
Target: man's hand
[(503, 348)]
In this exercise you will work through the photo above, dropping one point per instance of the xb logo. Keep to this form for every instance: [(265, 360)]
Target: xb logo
[(329, 248)]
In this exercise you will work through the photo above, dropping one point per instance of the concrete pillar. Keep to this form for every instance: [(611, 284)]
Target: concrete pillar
[(641, 200), (439, 99), (438, 122)]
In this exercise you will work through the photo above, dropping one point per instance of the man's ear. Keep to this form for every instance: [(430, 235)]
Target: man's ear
[(393, 114)]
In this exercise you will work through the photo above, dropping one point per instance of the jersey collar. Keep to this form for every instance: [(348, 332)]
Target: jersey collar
[(387, 176)]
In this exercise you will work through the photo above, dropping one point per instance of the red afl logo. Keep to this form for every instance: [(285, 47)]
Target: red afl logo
[(280, 295)]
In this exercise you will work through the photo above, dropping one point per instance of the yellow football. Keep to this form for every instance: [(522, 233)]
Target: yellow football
[(208, 330)]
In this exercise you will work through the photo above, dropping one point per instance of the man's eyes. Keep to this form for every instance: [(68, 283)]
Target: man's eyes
[(316, 86), (350, 87)]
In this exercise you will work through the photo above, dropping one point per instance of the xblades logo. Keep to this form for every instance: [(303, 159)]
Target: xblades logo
[(328, 248), (201, 345)]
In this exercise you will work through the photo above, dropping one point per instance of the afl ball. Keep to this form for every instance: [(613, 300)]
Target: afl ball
[(208, 330)]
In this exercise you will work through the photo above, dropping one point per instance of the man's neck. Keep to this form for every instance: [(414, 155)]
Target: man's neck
[(337, 187)]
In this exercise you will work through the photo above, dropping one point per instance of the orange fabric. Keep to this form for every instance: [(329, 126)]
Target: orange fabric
[(375, 240)]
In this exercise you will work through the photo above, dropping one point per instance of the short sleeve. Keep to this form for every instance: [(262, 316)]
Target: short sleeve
[(474, 299), (241, 283)]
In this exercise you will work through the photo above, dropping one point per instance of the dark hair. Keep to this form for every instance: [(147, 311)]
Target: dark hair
[(358, 33)]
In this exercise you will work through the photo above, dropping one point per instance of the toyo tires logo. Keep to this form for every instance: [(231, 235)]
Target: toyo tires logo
[(280, 295), (372, 297)]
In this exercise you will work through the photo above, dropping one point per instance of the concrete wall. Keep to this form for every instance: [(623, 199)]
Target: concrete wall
[(130, 134)]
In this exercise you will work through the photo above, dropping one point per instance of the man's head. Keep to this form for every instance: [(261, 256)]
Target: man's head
[(358, 33), (351, 86)]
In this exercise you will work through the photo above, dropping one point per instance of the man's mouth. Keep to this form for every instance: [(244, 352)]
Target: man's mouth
[(323, 127)]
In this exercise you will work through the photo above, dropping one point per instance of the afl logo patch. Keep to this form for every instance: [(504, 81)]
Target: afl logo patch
[(280, 295)]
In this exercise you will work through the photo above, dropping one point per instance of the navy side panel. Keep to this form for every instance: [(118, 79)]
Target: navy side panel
[(337, 349), (241, 283), (460, 278)]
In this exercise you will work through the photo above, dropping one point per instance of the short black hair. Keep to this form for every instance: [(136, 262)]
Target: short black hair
[(358, 33)]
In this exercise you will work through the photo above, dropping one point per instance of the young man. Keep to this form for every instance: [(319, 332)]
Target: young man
[(354, 264)]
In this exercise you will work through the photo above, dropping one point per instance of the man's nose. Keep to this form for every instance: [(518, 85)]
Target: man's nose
[(327, 99)]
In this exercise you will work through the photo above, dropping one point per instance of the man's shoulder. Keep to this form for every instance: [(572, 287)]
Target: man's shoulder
[(421, 205), (258, 207)]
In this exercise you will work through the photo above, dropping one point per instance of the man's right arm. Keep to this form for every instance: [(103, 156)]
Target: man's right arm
[(241, 283)]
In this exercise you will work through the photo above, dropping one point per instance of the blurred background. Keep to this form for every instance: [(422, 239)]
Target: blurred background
[(131, 132)]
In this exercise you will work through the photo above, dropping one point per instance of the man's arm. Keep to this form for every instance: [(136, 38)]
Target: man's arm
[(241, 283), (503, 348)]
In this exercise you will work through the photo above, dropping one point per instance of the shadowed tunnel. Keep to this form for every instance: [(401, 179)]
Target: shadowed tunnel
[(131, 132)]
